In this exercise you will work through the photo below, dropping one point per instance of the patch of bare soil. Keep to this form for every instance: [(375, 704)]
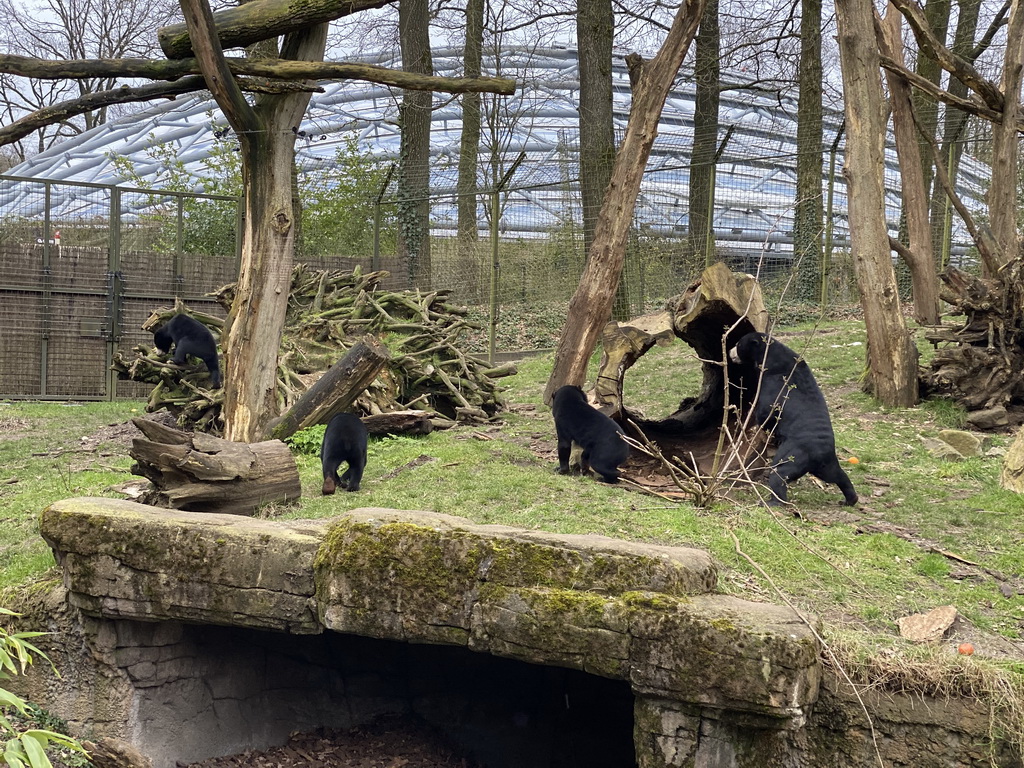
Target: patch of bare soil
[(388, 742)]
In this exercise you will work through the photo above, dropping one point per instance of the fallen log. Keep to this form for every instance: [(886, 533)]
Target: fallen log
[(335, 391), (201, 473), (400, 423)]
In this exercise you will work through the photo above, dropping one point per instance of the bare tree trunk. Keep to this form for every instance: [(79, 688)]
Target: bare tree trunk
[(590, 306), (892, 356), (920, 258), (595, 24), (469, 152), (414, 162), (953, 127), (707, 73), (808, 217), (1002, 196), (936, 12), (266, 135)]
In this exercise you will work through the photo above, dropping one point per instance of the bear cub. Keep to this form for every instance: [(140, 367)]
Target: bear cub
[(792, 409), (189, 337), (577, 421), (344, 440)]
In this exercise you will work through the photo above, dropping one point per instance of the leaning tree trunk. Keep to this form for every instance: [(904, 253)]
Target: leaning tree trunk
[(591, 304), (892, 356)]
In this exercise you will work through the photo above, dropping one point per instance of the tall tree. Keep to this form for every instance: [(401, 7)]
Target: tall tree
[(954, 123), (918, 254), (892, 356), (414, 161), (808, 216), (595, 25), (1003, 195), (591, 304), (707, 77), (926, 107), (469, 146), (266, 134)]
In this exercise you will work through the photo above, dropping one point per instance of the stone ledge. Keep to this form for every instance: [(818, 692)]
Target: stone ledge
[(617, 609)]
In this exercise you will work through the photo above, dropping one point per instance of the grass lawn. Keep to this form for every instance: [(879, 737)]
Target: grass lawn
[(926, 532)]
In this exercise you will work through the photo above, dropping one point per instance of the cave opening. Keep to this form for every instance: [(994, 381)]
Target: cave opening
[(204, 691)]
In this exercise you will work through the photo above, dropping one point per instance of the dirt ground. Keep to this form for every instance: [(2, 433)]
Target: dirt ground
[(391, 742)]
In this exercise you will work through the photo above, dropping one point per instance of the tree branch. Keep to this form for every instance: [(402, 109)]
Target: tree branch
[(219, 79), (251, 22), (278, 69), (924, 84), (956, 65), (57, 113)]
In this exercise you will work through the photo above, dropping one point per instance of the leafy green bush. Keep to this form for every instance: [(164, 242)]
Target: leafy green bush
[(24, 748), (307, 441)]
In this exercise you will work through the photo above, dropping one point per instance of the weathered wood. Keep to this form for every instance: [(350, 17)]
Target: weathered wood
[(335, 391), (202, 473), (276, 69), (709, 316), (242, 25), (591, 304), (399, 423)]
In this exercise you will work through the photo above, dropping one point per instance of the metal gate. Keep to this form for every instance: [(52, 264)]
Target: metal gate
[(81, 268)]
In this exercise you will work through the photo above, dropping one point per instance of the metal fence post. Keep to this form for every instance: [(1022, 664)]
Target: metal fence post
[(495, 263)]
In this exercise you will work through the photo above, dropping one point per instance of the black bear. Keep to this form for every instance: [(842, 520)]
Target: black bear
[(577, 421), (189, 337), (344, 440), (790, 407)]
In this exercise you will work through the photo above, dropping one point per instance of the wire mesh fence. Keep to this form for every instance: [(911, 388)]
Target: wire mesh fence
[(84, 264)]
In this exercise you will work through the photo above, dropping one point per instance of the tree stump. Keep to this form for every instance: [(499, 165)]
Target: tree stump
[(710, 315), (200, 473)]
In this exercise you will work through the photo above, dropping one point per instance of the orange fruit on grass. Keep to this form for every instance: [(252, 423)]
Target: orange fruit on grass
[(965, 648)]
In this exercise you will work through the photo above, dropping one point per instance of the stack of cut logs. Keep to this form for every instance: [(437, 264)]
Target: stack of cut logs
[(329, 311)]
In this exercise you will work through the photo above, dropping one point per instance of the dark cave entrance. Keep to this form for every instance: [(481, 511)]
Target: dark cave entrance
[(204, 691)]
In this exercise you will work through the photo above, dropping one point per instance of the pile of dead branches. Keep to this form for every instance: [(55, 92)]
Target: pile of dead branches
[(328, 312), (978, 364)]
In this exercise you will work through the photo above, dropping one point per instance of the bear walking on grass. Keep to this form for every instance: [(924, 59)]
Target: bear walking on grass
[(577, 421), (344, 441), (188, 336), (792, 409)]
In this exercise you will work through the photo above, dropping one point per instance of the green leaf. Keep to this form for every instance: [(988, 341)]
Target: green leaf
[(14, 754), (59, 739), (35, 749), (8, 699)]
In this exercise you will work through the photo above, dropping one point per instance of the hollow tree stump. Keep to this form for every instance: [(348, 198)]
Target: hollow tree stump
[(710, 315), (201, 473)]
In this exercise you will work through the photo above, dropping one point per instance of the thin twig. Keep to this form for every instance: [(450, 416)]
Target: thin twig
[(818, 637)]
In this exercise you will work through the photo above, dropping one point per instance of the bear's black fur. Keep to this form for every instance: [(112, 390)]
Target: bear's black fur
[(344, 440), (792, 409), (189, 337), (578, 421)]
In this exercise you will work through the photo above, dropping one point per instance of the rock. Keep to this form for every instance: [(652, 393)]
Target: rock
[(941, 450), (114, 753), (989, 418), (967, 444), (927, 627)]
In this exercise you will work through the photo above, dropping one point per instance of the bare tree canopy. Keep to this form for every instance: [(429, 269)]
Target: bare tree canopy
[(72, 29)]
